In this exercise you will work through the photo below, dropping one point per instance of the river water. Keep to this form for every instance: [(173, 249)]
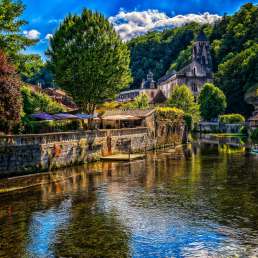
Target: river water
[(200, 201)]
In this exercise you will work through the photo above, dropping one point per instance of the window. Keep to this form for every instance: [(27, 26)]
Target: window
[(194, 88)]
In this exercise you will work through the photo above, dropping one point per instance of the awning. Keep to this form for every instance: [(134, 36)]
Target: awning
[(64, 116), (85, 116), (42, 116), (120, 118)]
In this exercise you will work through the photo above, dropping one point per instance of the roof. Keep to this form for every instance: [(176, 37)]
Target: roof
[(201, 37), (121, 117), (141, 113), (166, 77), (159, 98)]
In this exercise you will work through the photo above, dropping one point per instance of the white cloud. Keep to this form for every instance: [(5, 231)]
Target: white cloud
[(49, 36), (54, 21), (132, 24), (32, 34)]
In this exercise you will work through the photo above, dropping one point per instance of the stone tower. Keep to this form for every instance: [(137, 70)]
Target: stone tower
[(201, 52)]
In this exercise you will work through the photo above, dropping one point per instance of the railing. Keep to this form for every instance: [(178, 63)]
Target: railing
[(30, 139)]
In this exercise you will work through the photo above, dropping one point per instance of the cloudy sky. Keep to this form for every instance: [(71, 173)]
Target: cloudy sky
[(130, 17)]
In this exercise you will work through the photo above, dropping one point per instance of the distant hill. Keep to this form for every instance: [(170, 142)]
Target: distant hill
[(234, 42)]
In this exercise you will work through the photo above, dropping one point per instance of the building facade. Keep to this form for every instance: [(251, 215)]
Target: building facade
[(195, 74), (148, 87)]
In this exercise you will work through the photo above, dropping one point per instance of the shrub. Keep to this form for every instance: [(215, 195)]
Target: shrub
[(232, 119), (167, 113), (34, 101), (140, 102), (34, 127)]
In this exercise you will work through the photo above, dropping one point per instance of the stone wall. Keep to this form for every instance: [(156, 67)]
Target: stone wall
[(37, 153)]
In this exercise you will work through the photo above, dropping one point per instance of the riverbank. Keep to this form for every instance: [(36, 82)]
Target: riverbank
[(25, 154)]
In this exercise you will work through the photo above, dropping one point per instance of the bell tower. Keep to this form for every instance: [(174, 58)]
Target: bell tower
[(201, 51)]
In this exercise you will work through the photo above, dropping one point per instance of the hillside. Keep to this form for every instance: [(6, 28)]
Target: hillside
[(234, 47)]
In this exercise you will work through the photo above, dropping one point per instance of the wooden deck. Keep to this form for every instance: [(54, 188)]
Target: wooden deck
[(123, 157)]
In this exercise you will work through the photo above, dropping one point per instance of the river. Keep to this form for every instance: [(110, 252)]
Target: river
[(199, 201)]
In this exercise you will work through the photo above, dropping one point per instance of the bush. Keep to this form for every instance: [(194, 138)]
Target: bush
[(34, 101), (212, 102), (35, 127), (167, 113), (254, 136), (140, 102), (232, 119)]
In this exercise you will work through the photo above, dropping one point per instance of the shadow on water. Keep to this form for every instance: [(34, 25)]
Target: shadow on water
[(197, 201)]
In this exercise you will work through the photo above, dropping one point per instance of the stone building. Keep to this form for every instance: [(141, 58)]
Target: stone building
[(195, 74), (148, 87)]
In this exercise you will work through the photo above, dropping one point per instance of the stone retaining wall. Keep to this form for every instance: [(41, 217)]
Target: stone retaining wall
[(36, 153), (26, 154)]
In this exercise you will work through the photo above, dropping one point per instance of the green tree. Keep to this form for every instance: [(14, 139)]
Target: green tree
[(235, 76), (12, 39), (35, 101), (29, 66), (140, 102), (89, 60), (182, 98), (212, 102), (10, 96)]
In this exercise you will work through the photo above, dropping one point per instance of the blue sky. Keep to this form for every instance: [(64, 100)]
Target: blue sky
[(44, 15)]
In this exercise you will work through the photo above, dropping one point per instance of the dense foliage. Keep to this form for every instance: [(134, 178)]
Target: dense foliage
[(140, 102), (234, 52), (10, 96), (183, 98), (155, 51), (236, 75), (212, 102), (34, 127), (88, 59), (13, 41), (231, 119), (175, 115), (35, 102)]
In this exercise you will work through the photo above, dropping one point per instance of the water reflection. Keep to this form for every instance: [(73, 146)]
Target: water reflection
[(198, 201)]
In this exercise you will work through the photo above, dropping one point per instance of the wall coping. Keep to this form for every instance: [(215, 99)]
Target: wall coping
[(31, 139)]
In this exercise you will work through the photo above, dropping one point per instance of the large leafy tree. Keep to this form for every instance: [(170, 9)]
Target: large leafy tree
[(10, 96), (12, 40), (182, 98), (88, 59), (236, 76), (212, 102)]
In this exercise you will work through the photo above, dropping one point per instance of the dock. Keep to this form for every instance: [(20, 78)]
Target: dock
[(123, 157)]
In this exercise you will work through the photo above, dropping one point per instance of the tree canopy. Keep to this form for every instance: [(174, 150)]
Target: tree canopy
[(10, 96), (212, 102), (88, 59), (233, 42), (182, 98), (12, 40)]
